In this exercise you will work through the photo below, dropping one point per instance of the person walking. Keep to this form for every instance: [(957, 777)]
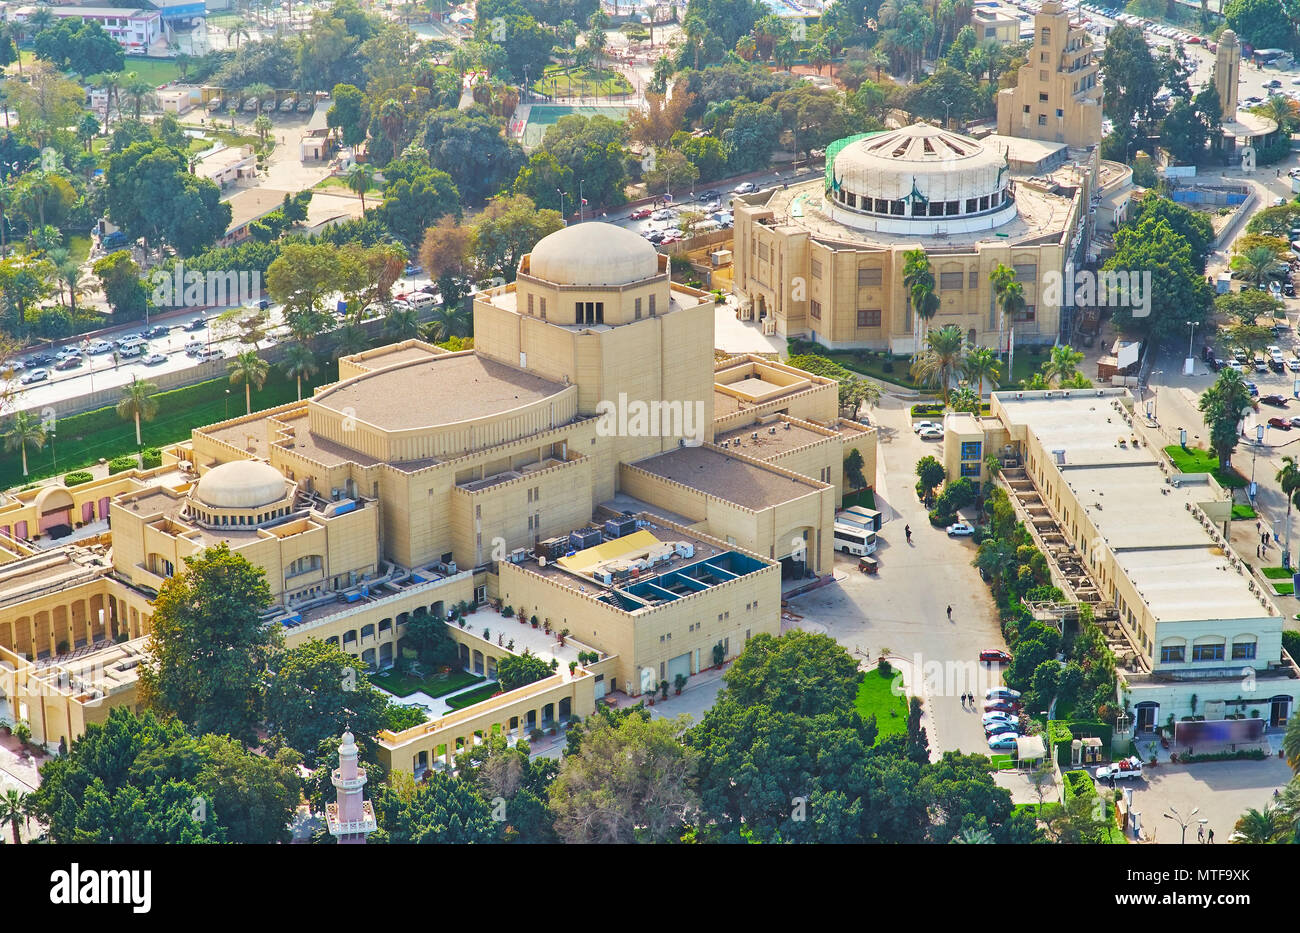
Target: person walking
[(950, 613), (1211, 837), (1200, 833)]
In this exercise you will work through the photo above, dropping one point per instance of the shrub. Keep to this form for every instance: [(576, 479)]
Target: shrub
[(884, 667), (1078, 784), (151, 457), (1252, 754), (77, 477), (119, 464), (1291, 642), (941, 519), (508, 611)]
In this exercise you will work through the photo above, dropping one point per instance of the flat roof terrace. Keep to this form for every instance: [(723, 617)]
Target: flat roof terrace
[(1190, 584), (1086, 427), (1134, 507), (773, 438), (718, 474), (445, 390)]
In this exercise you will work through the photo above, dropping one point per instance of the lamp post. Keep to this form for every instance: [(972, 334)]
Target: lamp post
[(1155, 397), (53, 455), (227, 404), (581, 200), (1191, 338), (1254, 452), (562, 217), (1181, 821)]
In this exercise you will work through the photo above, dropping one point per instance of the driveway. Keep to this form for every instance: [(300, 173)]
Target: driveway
[(1221, 790), (902, 611)]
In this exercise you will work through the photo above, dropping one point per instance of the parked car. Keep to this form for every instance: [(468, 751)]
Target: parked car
[(995, 655), (663, 214), (198, 323), (745, 187), (1275, 400), (1001, 706), (153, 359), (40, 359), (1000, 717), (210, 353), (922, 425), (194, 346), (35, 375), (68, 362), (1006, 740), (930, 434), (1001, 693), (998, 728), (960, 529), (1293, 364), (1252, 388), (1282, 424), (641, 213), (1123, 769), (711, 195), (158, 330), (99, 346)]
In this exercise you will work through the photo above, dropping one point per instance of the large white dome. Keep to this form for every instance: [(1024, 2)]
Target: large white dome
[(241, 484), (593, 253)]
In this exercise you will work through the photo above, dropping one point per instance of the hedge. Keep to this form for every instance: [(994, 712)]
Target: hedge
[(151, 457), (1254, 754), (1077, 784), (120, 464), (926, 411), (77, 477)]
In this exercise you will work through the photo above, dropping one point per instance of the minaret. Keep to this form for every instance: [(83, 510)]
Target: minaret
[(1227, 71), (352, 818)]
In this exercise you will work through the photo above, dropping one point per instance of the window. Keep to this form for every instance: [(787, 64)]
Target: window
[(1059, 113), (530, 303), (652, 304), (950, 281), (1027, 316), (1026, 108), (971, 450), (763, 253), (1042, 74), (542, 306), (1042, 96), (970, 469), (1243, 651), (1207, 652), (1042, 58), (1042, 119), (869, 318), (1172, 654), (1026, 272), (636, 313), (974, 280), (816, 269), (815, 310), (869, 277), (1044, 36)]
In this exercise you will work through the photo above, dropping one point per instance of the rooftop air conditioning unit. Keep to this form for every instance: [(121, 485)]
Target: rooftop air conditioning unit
[(1100, 393), (541, 560), (771, 430), (754, 436), (787, 425), (1065, 394), (1020, 395)]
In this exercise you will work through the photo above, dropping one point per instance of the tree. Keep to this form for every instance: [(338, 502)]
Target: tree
[(361, 179), (980, 365), (413, 205), (316, 691), (853, 474), (151, 194), (519, 670), (941, 359), (1222, 405), (1129, 68), (629, 782), (1288, 479), (1260, 827), (468, 146), (671, 170), (301, 278), (208, 648), (251, 370), (752, 137), (507, 229), (119, 276), (14, 811), (349, 114), (1062, 363), (1263, 24), (25, 430), (930, 473), (500, 772), (137, 403), (440, 809), (254, 795), (800, 672), (428, 635), (299, 363), (1291, 743), (1247, 305)]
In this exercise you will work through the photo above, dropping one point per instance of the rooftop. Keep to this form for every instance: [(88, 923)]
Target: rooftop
[(1085, 426), (715, 473), (1189, 584), (775, 437), (454, 387)]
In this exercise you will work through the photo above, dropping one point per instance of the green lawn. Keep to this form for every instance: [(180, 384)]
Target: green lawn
[(1276, 573), (876, 698), (154, 70), (863, 497), (558, 81), (474, 696), (79, 247), (1200, 460), (1284, 589), (83, 439), (1242, 511), (436, 685), (1114, 835)]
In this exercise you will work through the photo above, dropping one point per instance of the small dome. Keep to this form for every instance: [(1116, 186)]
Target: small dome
[(593, 254), (241, 484)]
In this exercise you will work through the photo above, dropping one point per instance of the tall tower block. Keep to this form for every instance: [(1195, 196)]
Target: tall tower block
[(1227, 72), (352, 818)]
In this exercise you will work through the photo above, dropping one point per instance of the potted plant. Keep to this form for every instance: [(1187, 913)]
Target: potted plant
[(573, 666), (679, 682), (564, 633), (534, 620), (546, 626), (487, 634), (663, 689)]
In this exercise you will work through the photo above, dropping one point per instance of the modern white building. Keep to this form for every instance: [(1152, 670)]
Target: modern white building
[(133, 29)]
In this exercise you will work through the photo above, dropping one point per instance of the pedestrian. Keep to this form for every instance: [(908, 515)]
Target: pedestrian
[(1259, 527), (1211, 837), (1268, 538), (1200, 833), (950, 613)]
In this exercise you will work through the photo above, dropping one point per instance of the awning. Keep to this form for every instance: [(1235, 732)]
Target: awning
[(1030, 748)]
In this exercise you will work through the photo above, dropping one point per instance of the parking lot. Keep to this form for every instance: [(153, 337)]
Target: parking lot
[(1221, 791)]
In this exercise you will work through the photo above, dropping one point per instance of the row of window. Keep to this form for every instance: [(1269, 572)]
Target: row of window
[(871, 276), (897, 208), (541, 300), (245, 520), (1177, 654)]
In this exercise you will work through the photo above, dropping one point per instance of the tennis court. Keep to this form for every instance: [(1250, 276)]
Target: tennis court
[(540, 116)]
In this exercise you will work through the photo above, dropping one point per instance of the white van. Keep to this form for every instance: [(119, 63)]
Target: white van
[(132, 349), (854, 540), (421, 300)]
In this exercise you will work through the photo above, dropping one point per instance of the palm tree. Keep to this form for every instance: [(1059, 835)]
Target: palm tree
[(1258, 827), (14, 810), (1062, 363), (916, 274), (137, 89), (6, 198), (1076, 381), (1291, 743), (299, 362), (262, 125), (925, 302), (68, 272), (351, 338), (878, 60), (26, 430), (138, 402), (237, 30), (981, 363), (940, 361), (402, 324), (1254, 263), (1288, 478), (447, 321), (1036, 381), (251, 370), (965, 399), (361, 178)]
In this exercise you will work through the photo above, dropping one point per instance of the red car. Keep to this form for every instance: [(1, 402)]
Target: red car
[(641, 213), (995, 654), (1280, 423), (1001, 706)]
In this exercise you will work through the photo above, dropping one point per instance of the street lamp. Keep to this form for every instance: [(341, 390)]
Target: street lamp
[(227, 404), (1155, 398), (1191, 338), (1254, 452), (561, 194), (1174, 815), (54, 456)]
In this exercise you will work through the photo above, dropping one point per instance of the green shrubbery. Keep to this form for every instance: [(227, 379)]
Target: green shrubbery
[(151, 457), (77, 477), (1077, 784), (927, 411), (1253, 754), (120, 464)]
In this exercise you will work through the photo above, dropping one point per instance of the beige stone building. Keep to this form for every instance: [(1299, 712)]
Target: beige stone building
[(1143, 543), (1058, 94), (588, 464), (824, 259)]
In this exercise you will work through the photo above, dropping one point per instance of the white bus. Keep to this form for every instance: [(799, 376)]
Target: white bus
[(853, 540)]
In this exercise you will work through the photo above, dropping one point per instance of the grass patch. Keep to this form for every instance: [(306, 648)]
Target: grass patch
[(436, 685), (876, 698), (1240, 511), (1276, 573), (863, 497), (558, 81), (1200, 460), (83, 439), (1002, 762), (474, 696), (1284, 589), (79, 247)]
